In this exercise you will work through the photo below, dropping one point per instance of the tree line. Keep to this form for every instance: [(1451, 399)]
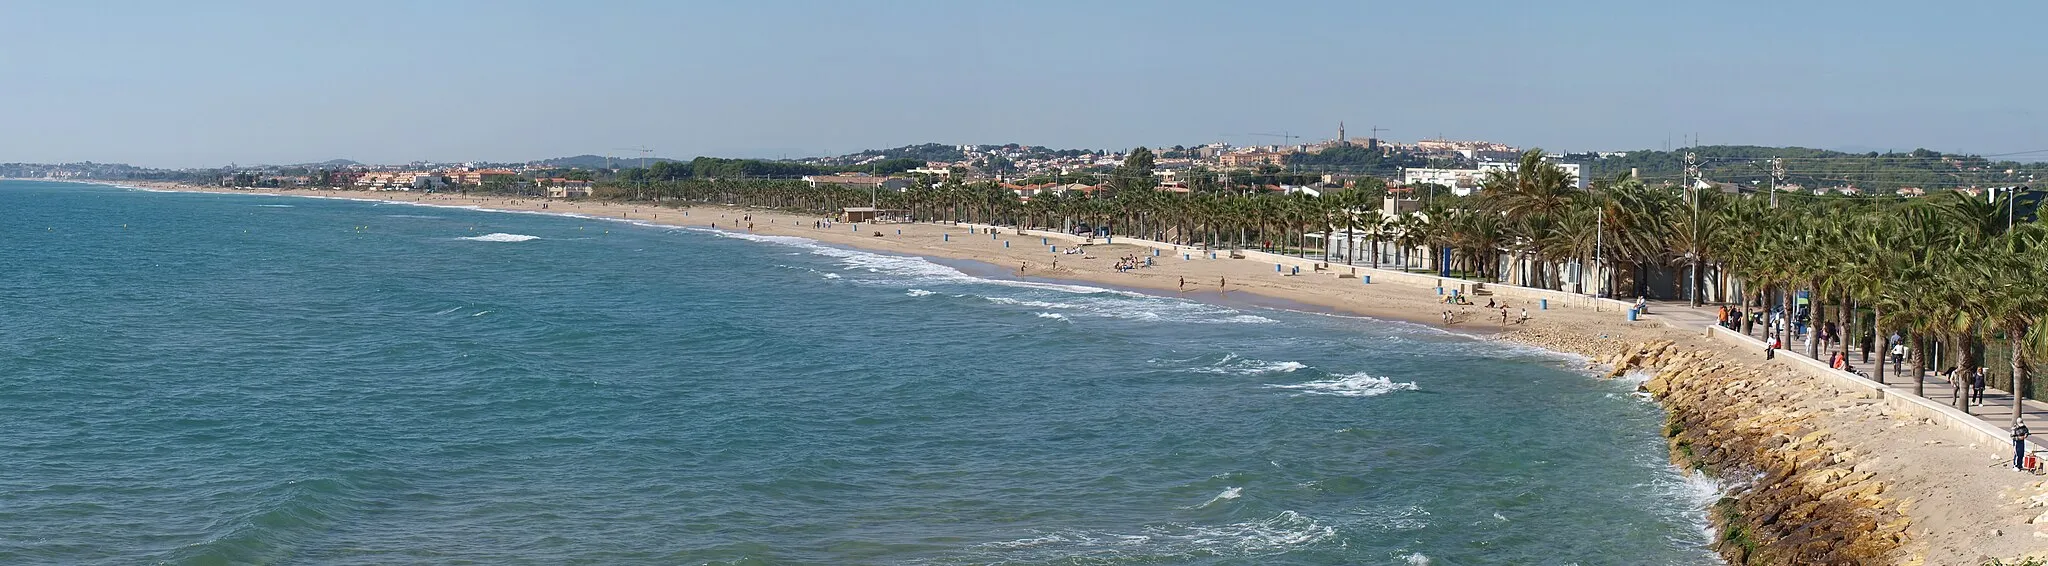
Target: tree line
[(1953, 272)]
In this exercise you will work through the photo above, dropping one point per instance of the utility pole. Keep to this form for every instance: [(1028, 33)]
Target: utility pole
[(640, 188), (1692, 176), (1777, 178)]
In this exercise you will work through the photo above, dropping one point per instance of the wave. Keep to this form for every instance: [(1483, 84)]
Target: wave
[(1145, 309), (499, 237), (276, 206), (1417, 559), (1233, 365), (917, 292), (1353, 385), (1280, 533), (425, 216), (1052, 315), (1228, 494)]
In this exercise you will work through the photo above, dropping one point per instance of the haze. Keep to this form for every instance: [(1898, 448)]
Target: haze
[(209, 83)]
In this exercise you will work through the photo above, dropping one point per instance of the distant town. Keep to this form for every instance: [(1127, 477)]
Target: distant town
[(1455, 166)]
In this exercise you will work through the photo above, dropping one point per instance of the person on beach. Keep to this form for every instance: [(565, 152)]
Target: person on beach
[(1771, 348), (1220, 283), (1183, 284), (1525, 316), (2019, 444)]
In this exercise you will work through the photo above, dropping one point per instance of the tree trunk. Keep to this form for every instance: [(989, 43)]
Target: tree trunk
[(2019, 374), (1919, 364), (1878, 336)]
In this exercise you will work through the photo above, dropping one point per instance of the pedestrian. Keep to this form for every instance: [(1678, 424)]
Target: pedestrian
[(1503, 315), (1183, 283), (1771, 348), (1977, 386), (2019, 444), (1220, 283), (1898, 355)]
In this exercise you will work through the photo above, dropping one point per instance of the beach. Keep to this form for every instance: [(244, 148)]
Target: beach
[(1960, 508)]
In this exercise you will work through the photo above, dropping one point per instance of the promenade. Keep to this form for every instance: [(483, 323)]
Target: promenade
[(1996, 410)]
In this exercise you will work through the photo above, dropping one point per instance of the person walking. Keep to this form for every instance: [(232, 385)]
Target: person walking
[(1898, 355), (2019, 444), (1977, 380)]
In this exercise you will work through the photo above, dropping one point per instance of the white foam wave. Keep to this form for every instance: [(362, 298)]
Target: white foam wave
[(1228, 494), (449, 310), (1635, 377), (426, 216), (1281, 533), (276, 206), (481, 313), (500, 237), (917, 292), (1395, 519), (1233, 365), (1417, 559), (1353, 385), (1052, 315)]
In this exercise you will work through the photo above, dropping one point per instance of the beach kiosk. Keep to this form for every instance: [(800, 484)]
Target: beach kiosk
[(860, 214)]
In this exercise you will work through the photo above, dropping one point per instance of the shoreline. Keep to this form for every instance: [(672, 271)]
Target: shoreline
[(1938, 519)]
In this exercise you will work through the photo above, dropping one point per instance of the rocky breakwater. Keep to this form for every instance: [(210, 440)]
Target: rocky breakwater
[(1796, 497)]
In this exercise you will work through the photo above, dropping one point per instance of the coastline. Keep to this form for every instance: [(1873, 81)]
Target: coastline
[(1895, 464)]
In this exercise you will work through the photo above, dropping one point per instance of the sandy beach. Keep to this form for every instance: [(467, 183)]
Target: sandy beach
[(1963, 508)]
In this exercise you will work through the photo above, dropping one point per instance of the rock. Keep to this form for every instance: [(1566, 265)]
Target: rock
[(2041, 519)]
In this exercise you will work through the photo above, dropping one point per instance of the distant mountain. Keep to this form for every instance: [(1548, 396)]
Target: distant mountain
[(597, 161)]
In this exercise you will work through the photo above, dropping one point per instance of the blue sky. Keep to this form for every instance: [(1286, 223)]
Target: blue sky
[(207, 83)]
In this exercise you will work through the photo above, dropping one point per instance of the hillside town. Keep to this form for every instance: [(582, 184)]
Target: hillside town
[(1458, 167)]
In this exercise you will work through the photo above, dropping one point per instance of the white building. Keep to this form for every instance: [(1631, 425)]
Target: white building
[(1464, 181)]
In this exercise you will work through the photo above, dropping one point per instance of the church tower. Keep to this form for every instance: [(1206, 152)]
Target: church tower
[(1341, 140)]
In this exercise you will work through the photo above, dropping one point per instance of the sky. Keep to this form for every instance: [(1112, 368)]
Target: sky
[(202, 84)]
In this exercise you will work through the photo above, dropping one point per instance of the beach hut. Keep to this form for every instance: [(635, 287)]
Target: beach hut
[(859, 214)]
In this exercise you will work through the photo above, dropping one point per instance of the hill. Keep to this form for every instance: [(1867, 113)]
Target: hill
[(593, 162), (1815, 168)]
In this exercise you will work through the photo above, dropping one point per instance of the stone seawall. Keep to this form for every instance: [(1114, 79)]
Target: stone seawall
[(1796, 496)]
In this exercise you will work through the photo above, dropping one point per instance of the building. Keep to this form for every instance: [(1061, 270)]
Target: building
[(477, 176), (558, 187), (859, 182), (1464, 181), (400, 181), (1252, 159)]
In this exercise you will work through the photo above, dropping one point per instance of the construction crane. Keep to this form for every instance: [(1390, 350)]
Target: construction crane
[(1284, 135)]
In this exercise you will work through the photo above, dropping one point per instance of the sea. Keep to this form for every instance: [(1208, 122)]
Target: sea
[(250, 379)]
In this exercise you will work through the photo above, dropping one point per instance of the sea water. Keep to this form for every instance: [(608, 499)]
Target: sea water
[(211, 379)]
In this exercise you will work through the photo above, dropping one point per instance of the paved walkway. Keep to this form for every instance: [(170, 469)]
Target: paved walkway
[(1996, 408)]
